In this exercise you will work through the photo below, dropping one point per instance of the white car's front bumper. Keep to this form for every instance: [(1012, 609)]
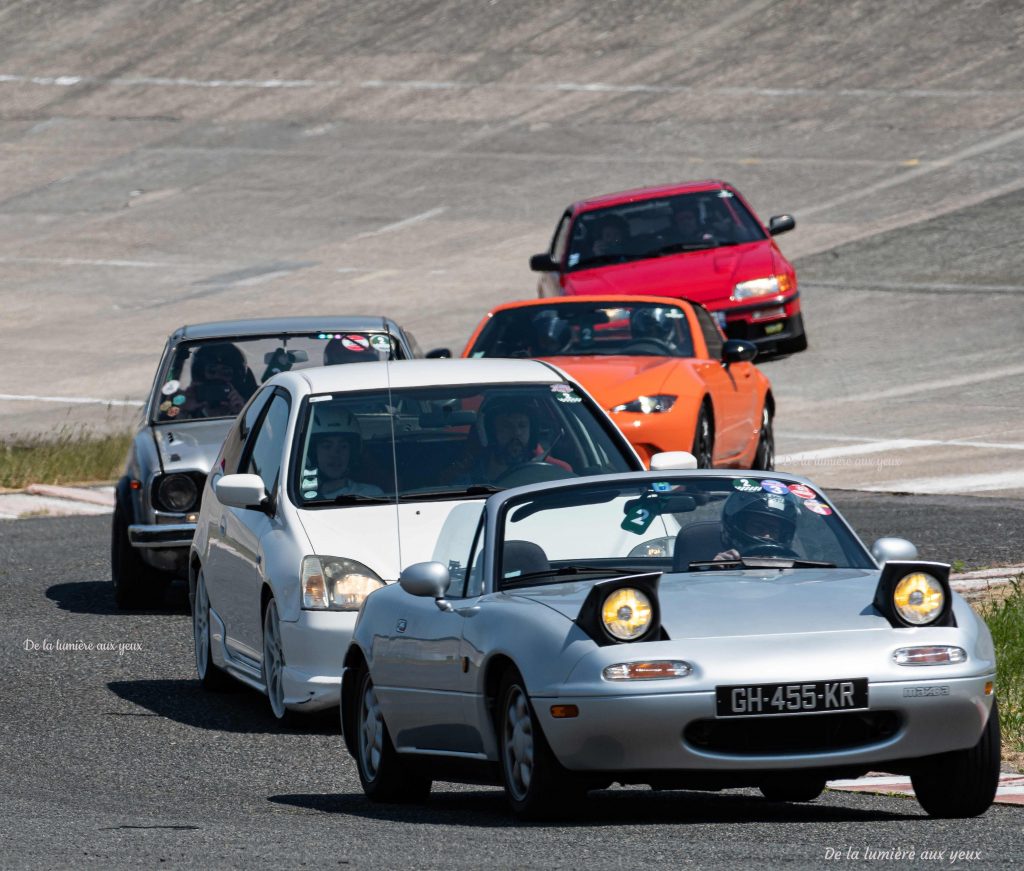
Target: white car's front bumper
[(314, 650)]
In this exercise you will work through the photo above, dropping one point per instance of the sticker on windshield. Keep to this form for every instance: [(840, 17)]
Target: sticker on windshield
[(170, 387), (776, 487), (638, 518), (746, 485), (673, 313), (568, 397), (561, 388), (574, 258), (165, 405), (355, 343), (381, 343), (803, 491), (179, 399), (725, 195), (661, 486), (309, 494), (817, 507)]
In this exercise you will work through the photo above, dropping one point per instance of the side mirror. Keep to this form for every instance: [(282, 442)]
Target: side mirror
[(886, 549), (427, 579), (668, 460), (738, 351), (543, 263), (780, 224), (439, 354), (242, 491)]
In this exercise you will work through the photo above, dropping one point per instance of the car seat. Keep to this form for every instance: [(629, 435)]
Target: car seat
[(698, 542)]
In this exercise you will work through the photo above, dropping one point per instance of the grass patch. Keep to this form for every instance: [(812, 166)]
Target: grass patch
[(72, 455), (1005, 619)]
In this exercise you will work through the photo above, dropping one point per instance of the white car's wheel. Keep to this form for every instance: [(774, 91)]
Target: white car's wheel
[(273, 661), (210, 676), (383, 775), (962, 783), (536, 785)]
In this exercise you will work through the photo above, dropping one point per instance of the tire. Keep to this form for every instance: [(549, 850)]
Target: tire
[(384, 776), (536, 785), (273, 664), (962, 783), (135, 583), (703, 439), (764, 456), (795, 787), (211, 677)]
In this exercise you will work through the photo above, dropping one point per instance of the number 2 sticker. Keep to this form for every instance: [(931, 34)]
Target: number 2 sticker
[(637, 520)]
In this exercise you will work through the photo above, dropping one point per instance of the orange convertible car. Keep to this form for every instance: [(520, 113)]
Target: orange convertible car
[(661, 367)]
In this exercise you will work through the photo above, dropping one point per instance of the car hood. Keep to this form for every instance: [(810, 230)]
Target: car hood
[(702, 276), (190, 446), (370, 533), (609, 379), (751, 602)]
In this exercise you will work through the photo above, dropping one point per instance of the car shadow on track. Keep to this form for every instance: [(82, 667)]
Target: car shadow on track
[(615, 807), (244, 710), (97, 597)]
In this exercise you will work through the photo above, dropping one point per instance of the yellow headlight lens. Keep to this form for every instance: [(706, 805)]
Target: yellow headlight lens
[(918, 598), (626, 614)]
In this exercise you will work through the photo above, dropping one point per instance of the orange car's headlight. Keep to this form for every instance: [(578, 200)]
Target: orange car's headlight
[(648, 404)]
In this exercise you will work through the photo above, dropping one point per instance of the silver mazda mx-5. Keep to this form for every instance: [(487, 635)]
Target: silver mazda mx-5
[(694, 630)]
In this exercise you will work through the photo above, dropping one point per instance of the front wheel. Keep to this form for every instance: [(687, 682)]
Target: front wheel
[(962, 783), (381, 772), (703, 439), (135, 583), (764, 457), (536, 785)]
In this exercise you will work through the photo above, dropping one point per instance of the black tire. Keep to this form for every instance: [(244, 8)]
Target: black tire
[(384, 776), (211, 677), (962, 783), (795, 787), (764, 457), (536, 784), (135, 583), (704, 439)]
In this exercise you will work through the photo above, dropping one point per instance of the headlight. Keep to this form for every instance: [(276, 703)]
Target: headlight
[(647, 670), (648, 404), (773, 285), (177, 492), (333, 583), (626, 614), (918, 598)]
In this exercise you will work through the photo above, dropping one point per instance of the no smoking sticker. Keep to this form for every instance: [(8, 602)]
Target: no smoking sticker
[(355, 343), (803, 491), (817, 507)]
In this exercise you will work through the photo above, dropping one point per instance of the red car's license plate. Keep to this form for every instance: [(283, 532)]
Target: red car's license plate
[(792, 698)]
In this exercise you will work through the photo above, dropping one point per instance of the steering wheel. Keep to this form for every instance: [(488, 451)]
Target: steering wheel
[(773, 549), (662, 349), (531, 472)]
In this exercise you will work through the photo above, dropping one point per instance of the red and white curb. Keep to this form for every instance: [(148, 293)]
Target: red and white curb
[(1009, 791), (44, 500)]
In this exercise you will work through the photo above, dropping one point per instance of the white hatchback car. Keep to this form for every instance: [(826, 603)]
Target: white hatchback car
[(332, 479)]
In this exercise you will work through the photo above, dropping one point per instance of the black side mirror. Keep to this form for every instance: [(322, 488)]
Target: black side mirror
[(781, 224), (543, 263), (439, 354), (738, 351)]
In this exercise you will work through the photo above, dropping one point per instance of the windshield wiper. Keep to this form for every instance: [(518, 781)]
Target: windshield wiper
[(679, 247), (455, 492), (760, 562), (352, 498), (530, 577)]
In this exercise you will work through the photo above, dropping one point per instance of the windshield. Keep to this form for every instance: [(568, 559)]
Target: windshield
[(449, 441), (561, 329), (660, 227), (675, 524), (215, 377)]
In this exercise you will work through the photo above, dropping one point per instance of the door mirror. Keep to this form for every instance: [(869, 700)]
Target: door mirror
[(738, 351), (543, 263), (668, 460), (425, 579), (242, 491), (886, 549), (780, 224)]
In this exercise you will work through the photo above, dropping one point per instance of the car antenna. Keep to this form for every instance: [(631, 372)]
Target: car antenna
[(394, 447)]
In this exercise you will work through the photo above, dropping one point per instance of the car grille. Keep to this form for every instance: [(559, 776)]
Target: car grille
[(810, 733)]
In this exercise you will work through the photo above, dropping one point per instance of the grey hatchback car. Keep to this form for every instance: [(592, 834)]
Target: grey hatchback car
[(207, 372)]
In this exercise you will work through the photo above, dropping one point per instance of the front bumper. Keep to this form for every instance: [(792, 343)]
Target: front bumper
[(656, 731), (161, 535), (765, 322), (314, 653)]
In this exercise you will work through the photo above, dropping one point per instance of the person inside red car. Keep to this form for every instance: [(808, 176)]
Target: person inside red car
[(610, 236), (686, 227)]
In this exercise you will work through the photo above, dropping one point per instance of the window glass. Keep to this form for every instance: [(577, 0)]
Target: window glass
[(264, 457), (231, 452), (712, 334), (455, 543), (561, 239)]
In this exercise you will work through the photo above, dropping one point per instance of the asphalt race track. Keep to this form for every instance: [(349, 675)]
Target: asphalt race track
[(172, 162), (117, 759)]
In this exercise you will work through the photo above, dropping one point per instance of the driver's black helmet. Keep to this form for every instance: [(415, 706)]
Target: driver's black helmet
[(651, 322), (223, 353), (741, 508), (552, 334)]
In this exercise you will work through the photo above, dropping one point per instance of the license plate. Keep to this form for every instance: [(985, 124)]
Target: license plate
[(792, 698)]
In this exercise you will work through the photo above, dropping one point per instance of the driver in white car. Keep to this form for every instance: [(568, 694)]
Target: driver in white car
[(758, 524)]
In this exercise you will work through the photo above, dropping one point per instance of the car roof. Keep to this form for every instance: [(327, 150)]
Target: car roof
[(273, 326), (417, 373), (625, 299), (649, 193)]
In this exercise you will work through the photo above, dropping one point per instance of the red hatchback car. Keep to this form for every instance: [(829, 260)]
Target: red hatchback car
[(698, 241)]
